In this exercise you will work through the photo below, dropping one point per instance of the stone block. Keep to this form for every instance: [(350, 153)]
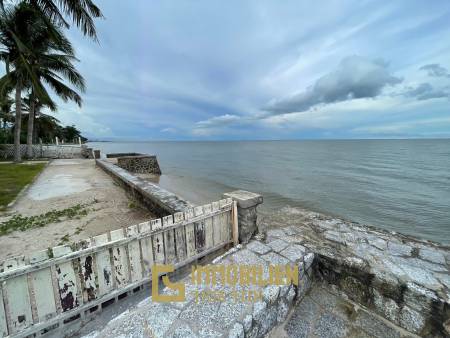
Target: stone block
[(244, 199), (411, 320), (278, 245), (247, 323), (294, 252), (247, 215), (237, 331), (270, 294), (258, 247)]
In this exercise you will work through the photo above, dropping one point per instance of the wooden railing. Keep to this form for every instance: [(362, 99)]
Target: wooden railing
[(50, 288)]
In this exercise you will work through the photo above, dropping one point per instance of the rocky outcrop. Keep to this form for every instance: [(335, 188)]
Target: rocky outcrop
[(401, 278)]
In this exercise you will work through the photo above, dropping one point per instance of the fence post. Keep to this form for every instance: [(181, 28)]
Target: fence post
[(246, 210)]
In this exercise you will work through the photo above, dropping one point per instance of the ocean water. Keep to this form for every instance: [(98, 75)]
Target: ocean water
[(399, 185)]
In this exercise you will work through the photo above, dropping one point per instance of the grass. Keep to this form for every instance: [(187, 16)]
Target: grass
[(22, 223), (13, 177)]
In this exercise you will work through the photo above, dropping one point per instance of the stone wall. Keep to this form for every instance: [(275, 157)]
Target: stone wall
[(43, 151), (142, 164), (401, 278), (157, 200)]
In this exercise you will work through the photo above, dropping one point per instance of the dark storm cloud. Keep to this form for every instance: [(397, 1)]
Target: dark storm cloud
[(435, 70), (355, 77)]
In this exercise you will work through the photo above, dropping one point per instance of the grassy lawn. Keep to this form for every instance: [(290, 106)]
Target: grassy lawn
[(13, 177)]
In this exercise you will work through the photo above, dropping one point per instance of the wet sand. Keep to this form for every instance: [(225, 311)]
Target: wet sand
[(64, 184)]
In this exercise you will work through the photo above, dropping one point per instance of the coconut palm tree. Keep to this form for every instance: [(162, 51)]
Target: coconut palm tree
[(46, 58), (82, 13)]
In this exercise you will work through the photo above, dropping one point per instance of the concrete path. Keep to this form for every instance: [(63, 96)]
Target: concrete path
[(64, 184)]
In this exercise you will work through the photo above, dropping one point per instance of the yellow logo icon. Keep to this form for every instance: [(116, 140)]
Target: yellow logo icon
[(156, 296)]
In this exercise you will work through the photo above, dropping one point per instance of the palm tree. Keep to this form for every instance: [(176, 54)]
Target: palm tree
[(47, 57), (82, 13)]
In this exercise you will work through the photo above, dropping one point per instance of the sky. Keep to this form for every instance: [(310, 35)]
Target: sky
[(251, 70)]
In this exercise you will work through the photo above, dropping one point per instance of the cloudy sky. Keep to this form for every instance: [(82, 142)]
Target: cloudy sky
[(212, 70)]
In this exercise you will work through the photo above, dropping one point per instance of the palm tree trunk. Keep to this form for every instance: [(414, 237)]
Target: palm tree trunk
[(30, 128), (18, 122)]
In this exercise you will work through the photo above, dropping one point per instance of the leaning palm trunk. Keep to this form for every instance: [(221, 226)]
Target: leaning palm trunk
[(30, 129), (18, 123)]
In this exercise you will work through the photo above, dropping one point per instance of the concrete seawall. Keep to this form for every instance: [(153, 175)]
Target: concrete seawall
[(158, 201)]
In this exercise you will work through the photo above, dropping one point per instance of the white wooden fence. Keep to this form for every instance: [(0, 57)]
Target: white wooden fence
[(50, 288)]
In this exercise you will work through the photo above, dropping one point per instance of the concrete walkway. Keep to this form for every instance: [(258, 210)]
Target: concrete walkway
[(64, 184)]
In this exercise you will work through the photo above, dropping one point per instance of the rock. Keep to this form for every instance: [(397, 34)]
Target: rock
[(334, 236), (282, 311), (432, 256), (270, 293), (308, 260), (378, 243), (247, 323), (259, 309), (355, 262), (375, 326), (294, 252), (258, 247), (284, 290), (290, 231), (278, 245), (183, 332), (418, 297), (269, 321), (291, 294), (331, 326), (275, 259), (386, 307), (237, 331), (275, 233), (398, 249), (411, 320)]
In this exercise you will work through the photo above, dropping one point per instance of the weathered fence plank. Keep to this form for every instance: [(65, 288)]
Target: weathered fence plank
[(42, 285), (3, 325), (180, 237), (134, 254), (217, 221), (158, 242), (65, 274), (190, 234), (120, 260), (103, 266), (17, 298), (199, 230), (88, 277), (209, 240), (146, 248), (169, 240)]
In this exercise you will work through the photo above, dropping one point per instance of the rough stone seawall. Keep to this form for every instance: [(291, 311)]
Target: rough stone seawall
[(43, 151), (158, 201), (401, 278), (142, 164)]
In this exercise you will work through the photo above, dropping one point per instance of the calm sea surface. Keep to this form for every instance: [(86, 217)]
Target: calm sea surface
[(400, 185)]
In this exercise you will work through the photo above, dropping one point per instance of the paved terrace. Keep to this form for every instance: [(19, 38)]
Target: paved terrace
[(355, 281)]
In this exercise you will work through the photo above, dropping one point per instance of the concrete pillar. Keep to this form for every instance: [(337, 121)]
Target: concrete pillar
[(57, 140), (246, 204), (79, 141)]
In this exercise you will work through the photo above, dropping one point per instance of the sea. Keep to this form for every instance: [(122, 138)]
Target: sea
[(398, 185)]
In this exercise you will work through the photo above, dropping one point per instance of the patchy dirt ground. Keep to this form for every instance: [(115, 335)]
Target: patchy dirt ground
[(64, 184)]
